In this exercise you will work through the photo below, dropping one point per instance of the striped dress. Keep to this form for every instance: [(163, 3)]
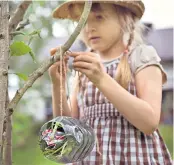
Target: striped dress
[(119, 142)]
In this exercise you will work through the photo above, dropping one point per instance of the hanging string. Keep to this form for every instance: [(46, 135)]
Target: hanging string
[(61, 83), (67, 86), (81, 96)]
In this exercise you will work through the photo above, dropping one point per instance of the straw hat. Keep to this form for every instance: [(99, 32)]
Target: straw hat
[(63, 11)]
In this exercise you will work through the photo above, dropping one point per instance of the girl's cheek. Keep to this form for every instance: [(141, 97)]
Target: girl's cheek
[(83, 37), (83, 34)]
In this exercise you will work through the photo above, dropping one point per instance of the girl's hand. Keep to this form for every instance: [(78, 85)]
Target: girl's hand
[(89, 64), (54, 70)]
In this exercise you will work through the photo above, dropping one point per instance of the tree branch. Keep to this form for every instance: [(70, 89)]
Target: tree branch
[(18, 15), (45, 65), (21, 25)]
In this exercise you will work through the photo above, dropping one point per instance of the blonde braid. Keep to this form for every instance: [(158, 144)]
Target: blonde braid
[(123, 76)]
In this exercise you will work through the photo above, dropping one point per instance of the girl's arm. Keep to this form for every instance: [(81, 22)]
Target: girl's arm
[(143, 112)]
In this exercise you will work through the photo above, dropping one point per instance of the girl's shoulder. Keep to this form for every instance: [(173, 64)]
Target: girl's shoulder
[(143, 56)]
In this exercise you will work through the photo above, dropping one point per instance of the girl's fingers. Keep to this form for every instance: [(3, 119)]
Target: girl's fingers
[(53, 51), (75, 54), (82, 64), (83, 71), (56, 64), (66, 58), (84, 58)]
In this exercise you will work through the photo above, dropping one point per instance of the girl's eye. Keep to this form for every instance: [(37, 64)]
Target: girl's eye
[(99, 17)]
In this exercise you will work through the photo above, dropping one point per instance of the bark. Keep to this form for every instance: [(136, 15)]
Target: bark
[(7, 147), (18, 15), (4, 51), (7, 128)]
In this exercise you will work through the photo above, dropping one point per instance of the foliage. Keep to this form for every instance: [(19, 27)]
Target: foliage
[(22, 129), (26, 149), (19, 48), (167, 134), (32, 155), (22, 76)]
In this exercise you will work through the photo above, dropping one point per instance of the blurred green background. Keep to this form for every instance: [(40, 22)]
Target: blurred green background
[(25, 142), (35, 107)]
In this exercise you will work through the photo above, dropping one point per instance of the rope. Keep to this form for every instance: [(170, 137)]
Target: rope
[(61, 83)]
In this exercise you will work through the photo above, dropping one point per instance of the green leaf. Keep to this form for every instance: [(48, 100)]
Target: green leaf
[(22, 76), (32, 56), (19, 48)]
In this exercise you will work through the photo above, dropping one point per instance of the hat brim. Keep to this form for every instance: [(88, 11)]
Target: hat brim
[(62, 12)]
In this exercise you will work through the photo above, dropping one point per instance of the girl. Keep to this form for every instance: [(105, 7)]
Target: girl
[(120, 87)]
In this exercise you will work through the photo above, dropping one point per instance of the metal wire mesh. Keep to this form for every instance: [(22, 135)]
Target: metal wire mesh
[(66, 139)]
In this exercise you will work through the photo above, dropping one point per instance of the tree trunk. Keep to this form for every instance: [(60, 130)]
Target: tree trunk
[(4, 51), (8, 137)]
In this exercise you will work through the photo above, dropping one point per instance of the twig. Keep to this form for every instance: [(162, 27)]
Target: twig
[(45, 65), (17, 33), (18, 15), (21, 25)]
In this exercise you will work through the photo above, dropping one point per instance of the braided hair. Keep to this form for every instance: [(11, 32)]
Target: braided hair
[(123, 76), (130, 25)]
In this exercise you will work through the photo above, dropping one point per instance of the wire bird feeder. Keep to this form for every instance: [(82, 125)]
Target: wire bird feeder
[(66, 140)]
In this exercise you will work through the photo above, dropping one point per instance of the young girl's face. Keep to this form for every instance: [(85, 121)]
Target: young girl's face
[(102, 30)]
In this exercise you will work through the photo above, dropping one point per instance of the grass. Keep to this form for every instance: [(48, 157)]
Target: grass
[(30, 154), (167, 134)]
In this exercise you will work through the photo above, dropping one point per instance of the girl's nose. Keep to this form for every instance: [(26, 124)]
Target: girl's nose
[(89, 27)]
